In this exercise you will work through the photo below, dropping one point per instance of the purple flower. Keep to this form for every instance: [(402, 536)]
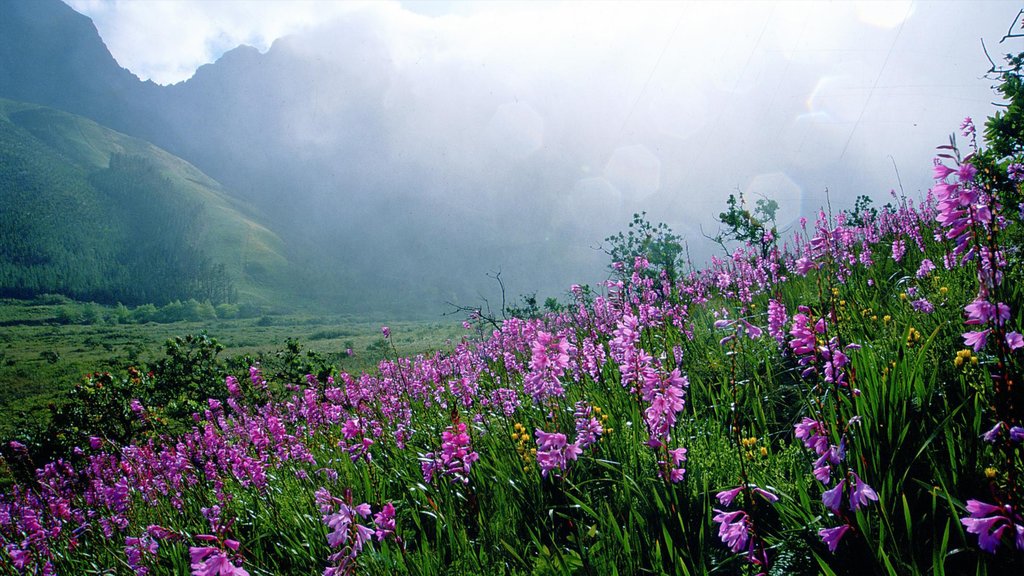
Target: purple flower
[(812, 433), (734, 530), (553, 451), (925, 269), (832, 536), (899, 248), (923, 305), (727, 496), (833, 498), (861, 493), (1014, 340), (385, 522), (988, 522), (777, 321), (385, 331), (976, 340), (210, 561)]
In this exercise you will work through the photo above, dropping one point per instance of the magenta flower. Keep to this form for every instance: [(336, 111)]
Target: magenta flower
[(777, 321), (455, 458), (385, 522), (553, 452), (989, 522), (812, 433), (211, 561), (727, 496), (833, 498), (832, 536), (861, 493), (734, 529), (976, 340)]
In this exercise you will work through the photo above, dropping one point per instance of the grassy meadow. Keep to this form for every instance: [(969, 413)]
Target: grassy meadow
[(50, 344), (840, 398)]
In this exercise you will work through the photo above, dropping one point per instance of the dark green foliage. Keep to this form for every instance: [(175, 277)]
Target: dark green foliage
[(119, 234), (662, 248), (188, 375), (98, 407)]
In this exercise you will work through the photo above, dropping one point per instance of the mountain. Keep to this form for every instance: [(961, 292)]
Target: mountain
[(98, 215), (387, 191)]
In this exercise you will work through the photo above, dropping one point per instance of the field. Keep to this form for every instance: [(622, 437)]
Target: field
[(843, 397), (42, 355), (842, 400)]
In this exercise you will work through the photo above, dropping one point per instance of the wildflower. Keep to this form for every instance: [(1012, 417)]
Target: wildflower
[(833, 498), (385, 331), (861, 493), (676, 472), (588, 428), (899, 249), (212, 561), (989, 522), (976, 340), (455, 458), (925, 269), (734, 530), (923, 305), (1014, 340), (777, 321), (832, 536), (812, 433), (385, 522), (553, 451)]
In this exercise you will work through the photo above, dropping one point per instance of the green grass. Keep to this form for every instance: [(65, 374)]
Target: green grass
[(40, 357), (229, 233)]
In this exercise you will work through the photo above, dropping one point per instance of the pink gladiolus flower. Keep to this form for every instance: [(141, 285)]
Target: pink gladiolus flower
[(976, 340), (734, 530), (832, 536), (861, 493), (988, 522), (210, 561)]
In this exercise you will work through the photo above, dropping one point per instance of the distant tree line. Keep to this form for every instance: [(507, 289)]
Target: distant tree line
[(121, 234)]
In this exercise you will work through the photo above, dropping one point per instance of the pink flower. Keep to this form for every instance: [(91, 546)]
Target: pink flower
[(861, 493), (976, 340), (210, 561), (553, 451), (988, 522), (832, 536), (833, 498), (734, 530), (727, 496)]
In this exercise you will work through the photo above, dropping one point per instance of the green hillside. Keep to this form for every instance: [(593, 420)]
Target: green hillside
[(98, 215)]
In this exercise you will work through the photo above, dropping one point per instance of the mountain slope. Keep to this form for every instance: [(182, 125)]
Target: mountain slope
[(96, 214)]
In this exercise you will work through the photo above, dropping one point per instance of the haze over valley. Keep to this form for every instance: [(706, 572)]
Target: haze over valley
[(390, 155)]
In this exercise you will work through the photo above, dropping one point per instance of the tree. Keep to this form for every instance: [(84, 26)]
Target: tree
[(742, 225), (661, 247)]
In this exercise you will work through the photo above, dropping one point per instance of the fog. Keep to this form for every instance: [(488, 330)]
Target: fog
[(415, 147)]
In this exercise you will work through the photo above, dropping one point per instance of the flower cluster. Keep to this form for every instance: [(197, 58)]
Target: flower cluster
[(455, 458)]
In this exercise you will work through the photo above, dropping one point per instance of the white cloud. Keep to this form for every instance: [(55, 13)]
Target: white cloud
[(166, 40)]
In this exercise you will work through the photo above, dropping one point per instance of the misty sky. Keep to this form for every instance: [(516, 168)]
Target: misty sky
[(663, 107)]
